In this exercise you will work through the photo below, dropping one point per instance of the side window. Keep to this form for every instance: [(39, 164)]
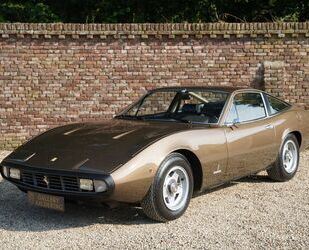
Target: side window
[(276, 105), (247, 107), (232, 116)]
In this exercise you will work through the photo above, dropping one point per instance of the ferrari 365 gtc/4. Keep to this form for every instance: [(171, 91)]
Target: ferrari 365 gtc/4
[(158, 151)]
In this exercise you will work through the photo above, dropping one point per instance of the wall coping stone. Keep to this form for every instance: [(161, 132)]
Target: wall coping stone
[(144, 30)]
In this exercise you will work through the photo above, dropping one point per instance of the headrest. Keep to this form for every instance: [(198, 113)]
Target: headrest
[(212, 108), (189, 108)]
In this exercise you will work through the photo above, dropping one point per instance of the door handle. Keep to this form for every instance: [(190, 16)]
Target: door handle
[(269, 126)]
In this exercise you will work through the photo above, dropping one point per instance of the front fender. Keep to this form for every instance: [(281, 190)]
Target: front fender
[(133, 179)]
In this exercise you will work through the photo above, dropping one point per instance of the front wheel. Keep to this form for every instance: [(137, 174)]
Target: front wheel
[(171, 190), (288, 159)]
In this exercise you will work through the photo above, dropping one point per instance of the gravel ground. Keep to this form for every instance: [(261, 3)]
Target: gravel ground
[(253, 213)]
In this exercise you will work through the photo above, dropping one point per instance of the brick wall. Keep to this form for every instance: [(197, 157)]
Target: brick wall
[(52, 74)]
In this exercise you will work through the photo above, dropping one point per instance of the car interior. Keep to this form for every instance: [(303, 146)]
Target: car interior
[(200, 112), (190, 107), (181, 106)]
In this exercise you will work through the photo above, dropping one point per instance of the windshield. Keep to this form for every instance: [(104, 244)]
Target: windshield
[(197, 106)]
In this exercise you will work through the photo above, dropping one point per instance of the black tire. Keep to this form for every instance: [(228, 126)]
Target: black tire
[(153, 203), (23, 190), (278, 172)]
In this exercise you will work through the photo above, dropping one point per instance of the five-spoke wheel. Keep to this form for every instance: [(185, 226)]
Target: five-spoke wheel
[(290, 156), (176, 188), (287, 163), (171, 190)]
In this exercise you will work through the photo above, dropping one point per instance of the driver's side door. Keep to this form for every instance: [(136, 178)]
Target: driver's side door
[(250, 141)]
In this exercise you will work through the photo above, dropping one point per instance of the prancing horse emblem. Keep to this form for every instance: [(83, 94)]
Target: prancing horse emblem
[(54, 159), (45, 179)]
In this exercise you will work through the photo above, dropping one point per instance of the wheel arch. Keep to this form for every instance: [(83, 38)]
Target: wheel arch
[(298, 136), (294, 132), (196, 167)]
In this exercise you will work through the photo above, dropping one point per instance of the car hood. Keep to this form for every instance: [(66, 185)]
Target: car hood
[(100, 147)]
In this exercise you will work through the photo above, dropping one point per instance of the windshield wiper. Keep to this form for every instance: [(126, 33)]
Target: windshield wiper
[(143, 118), (182, 120), (132, 117), (126, 116)]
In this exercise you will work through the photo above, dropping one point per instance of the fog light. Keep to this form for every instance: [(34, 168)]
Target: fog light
[(15, 173), (6, 172), (86, 184), (100, 186)]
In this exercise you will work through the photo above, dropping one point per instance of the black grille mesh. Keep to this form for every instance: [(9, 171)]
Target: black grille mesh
[(51, 181)]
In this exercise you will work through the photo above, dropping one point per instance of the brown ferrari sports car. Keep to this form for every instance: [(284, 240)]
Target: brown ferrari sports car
[(171, 143)]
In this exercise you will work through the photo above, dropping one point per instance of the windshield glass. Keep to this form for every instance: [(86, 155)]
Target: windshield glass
[(196, 106)]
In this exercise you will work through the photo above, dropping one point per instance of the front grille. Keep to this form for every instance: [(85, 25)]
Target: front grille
[(51, 181)]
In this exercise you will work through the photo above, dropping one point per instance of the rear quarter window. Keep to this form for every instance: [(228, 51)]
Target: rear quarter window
[(276, 105)]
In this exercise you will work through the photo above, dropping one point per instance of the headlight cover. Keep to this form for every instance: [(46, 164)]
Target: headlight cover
[(100, 186), (15, 173), (86, 184)]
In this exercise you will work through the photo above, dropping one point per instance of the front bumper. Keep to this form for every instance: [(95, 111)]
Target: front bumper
[(58, 182)]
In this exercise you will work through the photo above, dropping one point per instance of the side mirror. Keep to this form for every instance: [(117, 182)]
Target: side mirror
[(232, 124), (229, 124)]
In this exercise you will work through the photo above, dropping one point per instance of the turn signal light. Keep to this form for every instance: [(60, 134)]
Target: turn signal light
[(100, 186), (5, 171)]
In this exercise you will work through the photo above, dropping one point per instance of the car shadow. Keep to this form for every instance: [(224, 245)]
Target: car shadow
[(255, 179), (215, 189), (17, 215), (249, 179)]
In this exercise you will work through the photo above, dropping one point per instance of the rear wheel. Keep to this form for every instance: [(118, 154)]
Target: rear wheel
[(171, 190), (287, 163)]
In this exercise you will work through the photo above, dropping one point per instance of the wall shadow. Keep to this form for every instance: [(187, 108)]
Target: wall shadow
[(258, 81)]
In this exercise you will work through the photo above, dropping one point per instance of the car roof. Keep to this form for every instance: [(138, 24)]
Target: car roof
[(210, 88)]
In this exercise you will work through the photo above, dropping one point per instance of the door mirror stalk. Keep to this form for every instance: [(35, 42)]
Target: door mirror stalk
[(232, 124)]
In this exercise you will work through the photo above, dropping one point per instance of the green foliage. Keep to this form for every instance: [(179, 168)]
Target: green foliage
[(128, 11), (26, 11)]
